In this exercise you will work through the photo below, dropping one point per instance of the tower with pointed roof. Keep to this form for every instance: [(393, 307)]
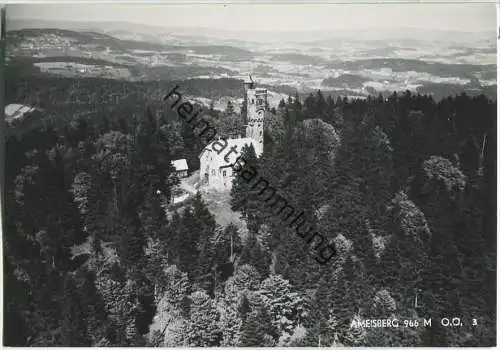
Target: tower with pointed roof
[(256, 113)]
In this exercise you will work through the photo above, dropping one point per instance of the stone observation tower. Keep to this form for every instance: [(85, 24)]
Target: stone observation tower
[(256, 112), (217, 158)]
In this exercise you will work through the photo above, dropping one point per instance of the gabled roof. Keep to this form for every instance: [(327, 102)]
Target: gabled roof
[(239, 143), (203, 151), (180, 164), (16, 110), (219, 159)]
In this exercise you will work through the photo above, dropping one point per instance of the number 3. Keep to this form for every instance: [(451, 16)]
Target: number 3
[(474, 322)]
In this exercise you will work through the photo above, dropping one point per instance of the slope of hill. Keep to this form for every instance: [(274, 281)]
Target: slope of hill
[(296, 67), (419, 66), (81, 38)]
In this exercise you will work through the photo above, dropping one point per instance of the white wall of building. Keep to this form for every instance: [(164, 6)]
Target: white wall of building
[(213, 165), (216, 159)]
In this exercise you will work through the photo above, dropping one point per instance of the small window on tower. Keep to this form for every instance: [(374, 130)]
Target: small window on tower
[(261, 133), (253, 101), (224, 173), (259, 102)]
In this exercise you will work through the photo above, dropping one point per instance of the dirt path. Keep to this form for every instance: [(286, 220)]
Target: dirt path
[(218, 203)]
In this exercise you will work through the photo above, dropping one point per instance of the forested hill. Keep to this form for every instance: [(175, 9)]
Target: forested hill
[(405, 187), (409, 202)]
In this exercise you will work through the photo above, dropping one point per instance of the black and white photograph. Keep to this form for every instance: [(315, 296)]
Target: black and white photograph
[(249, 174)]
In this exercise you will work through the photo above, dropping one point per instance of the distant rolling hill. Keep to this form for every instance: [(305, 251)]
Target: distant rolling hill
[(349, 79), (103, 41), (147, 60), (404, 65), (85, 38), (300, 59)]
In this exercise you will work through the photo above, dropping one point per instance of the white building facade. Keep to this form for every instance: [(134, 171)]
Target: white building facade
[(217, 157)]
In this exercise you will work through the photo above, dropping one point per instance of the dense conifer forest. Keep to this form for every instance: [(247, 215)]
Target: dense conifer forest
[(94, 255)]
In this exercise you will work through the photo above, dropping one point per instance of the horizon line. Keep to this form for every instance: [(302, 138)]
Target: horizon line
[(227, 29)]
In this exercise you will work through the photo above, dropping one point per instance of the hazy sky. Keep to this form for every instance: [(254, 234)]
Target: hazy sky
[(468, 17)]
